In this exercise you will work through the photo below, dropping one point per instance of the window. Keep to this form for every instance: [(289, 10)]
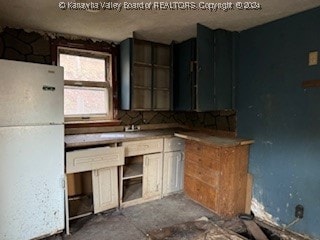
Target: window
[(87, 84)]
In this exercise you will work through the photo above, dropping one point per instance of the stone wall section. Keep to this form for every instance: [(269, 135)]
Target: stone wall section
[(16, 44), (218, 120)]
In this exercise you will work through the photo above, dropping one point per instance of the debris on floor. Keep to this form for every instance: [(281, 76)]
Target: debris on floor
[(196, 230), (175, 217), (271, 231)]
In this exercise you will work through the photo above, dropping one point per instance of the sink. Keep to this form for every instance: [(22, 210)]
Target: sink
[(121, 135), (112, 135)]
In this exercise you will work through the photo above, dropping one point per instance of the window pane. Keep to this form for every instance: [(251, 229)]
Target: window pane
[(81, 68), (84, 101)]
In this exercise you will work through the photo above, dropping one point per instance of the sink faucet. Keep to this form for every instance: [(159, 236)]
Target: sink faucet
[(131, 128)]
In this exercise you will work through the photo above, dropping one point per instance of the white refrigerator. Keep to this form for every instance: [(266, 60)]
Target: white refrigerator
[(31, 150)]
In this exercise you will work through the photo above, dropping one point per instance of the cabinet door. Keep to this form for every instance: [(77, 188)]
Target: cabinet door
[(205, 95), (145, 75), (172, 172), (152, 175), (184, 75), (224, 70), (105, 189)]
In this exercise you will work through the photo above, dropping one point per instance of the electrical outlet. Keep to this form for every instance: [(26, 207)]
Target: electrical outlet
[(313, 58), (299, 211)]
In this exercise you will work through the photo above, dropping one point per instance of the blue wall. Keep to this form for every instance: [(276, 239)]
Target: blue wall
[(282, 117)]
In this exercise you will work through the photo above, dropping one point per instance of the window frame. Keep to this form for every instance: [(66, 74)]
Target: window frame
[(89, 48)]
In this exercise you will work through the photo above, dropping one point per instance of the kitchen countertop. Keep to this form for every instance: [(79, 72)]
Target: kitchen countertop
[(95, 139), (213, 140)]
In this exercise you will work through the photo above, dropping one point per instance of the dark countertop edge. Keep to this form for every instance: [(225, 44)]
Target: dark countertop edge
[(237, 141)]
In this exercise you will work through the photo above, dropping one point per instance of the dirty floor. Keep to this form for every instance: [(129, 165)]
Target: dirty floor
[(169, 218), (133, 223)]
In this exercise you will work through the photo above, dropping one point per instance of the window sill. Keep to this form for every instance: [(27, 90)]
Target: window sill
[(97, 123)]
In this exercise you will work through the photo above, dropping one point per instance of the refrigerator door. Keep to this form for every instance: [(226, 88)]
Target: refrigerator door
[(30, 94), (31, 181)]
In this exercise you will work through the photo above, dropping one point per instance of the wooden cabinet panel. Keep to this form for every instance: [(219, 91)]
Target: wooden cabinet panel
[(206, 175), (94, 158), (200, 192), (105, 189), (173, 144), (152, 175), (136, 148), (161, 99), (173, 166), (216, 177), (205, 156), (234, 179)]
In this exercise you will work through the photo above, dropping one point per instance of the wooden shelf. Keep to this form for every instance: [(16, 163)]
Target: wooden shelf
[(162, 66), (80, 206), (132, 171), (161, 89), (142, 64), (142, 87)]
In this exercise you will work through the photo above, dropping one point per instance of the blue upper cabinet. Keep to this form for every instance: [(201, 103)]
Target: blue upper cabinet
[(184, 75), (205, 87), (145, 75), (224, 69), (204, 71)]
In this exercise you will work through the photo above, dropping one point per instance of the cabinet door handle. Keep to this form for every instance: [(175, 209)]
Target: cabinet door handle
[(48, 88)]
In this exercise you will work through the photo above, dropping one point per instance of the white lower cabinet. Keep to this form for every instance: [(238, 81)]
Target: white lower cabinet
[(141, 175), (105, 189), (173, 166), (92, 181), (152, 169), (152, 175)]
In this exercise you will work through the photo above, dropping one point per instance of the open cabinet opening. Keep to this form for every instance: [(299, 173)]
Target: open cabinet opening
[(132, 178), (80, 194)]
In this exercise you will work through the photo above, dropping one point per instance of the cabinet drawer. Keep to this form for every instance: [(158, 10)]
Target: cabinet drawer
[(208, 176), (173, 144), (143, 147), (204, 150), (201, 192), (95, 158), (202, 161)]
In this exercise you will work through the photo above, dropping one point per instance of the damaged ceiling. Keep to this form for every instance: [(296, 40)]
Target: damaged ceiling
[(157, 25)]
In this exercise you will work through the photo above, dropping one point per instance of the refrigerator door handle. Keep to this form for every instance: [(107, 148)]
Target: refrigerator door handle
[(48, 88), (63, 183)]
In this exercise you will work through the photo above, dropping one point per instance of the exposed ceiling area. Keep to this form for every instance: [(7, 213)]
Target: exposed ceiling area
[(158, 25)]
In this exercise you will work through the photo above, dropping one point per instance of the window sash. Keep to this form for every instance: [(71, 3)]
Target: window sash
[(107, 84), (87, 84)]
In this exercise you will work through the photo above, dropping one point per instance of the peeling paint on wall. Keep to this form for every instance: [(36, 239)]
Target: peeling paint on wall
[(259, 212)]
